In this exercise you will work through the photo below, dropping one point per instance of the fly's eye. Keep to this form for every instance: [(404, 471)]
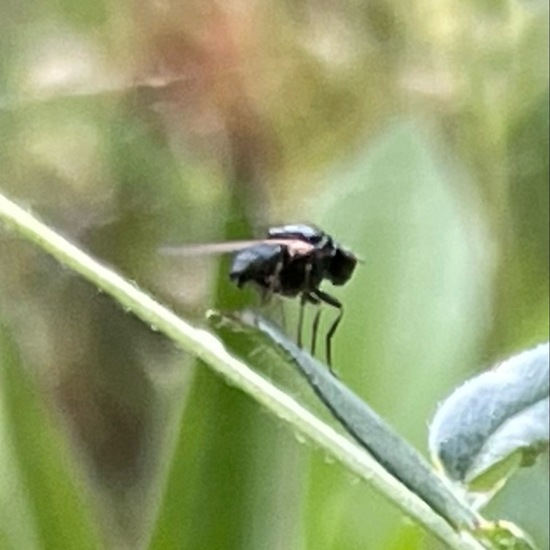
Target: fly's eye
[(341, 267)]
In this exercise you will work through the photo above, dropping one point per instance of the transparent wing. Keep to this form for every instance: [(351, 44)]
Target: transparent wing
[(206, 248), (294, 246)]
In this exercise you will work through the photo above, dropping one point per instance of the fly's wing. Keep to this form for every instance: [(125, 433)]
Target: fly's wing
[(294, 247), (206, 249)]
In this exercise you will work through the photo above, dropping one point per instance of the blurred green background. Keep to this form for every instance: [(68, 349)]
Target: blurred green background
[(415, 132)]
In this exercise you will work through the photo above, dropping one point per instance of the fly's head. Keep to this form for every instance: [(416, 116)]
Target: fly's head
[(341, 266)]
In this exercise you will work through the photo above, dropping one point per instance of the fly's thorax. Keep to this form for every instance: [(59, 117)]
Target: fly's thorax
[(302, 232), (301, 274)]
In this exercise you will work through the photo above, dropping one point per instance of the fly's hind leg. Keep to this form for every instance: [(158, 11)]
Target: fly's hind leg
[(315, 329), (309, 297), (270, 286), (266, 294), (303, 300), (331, 301)]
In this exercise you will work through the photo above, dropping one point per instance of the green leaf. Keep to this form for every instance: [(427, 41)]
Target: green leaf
[(414, 311), (209, 349), (494, 423), (504, 535), (49, 511), (390, 450)]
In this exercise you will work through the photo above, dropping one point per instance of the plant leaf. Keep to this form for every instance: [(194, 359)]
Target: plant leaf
[(45, 497), (504, 535), (494, 423), (389, 449)]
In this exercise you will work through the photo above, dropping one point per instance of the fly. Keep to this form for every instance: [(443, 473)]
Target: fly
[(292, 261)]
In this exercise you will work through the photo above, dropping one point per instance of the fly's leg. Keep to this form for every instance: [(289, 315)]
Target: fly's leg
[(265, 296), (308, 296), (281, 316), (331, 301), (315, 326), (303, 299), (273, 281), (314, 330), (271, 284)]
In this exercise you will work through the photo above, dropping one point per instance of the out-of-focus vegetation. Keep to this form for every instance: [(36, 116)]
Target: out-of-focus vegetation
[(416, 133)]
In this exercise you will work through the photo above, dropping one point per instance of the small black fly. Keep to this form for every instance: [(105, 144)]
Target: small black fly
[(292, 261)]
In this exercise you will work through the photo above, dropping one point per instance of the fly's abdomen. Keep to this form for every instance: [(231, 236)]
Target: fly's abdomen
[(257, 264)]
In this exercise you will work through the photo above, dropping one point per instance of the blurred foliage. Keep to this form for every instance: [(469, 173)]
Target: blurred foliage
[(415, 132)]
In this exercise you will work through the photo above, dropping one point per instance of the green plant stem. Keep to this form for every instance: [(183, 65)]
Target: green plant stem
[(211, 350)]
